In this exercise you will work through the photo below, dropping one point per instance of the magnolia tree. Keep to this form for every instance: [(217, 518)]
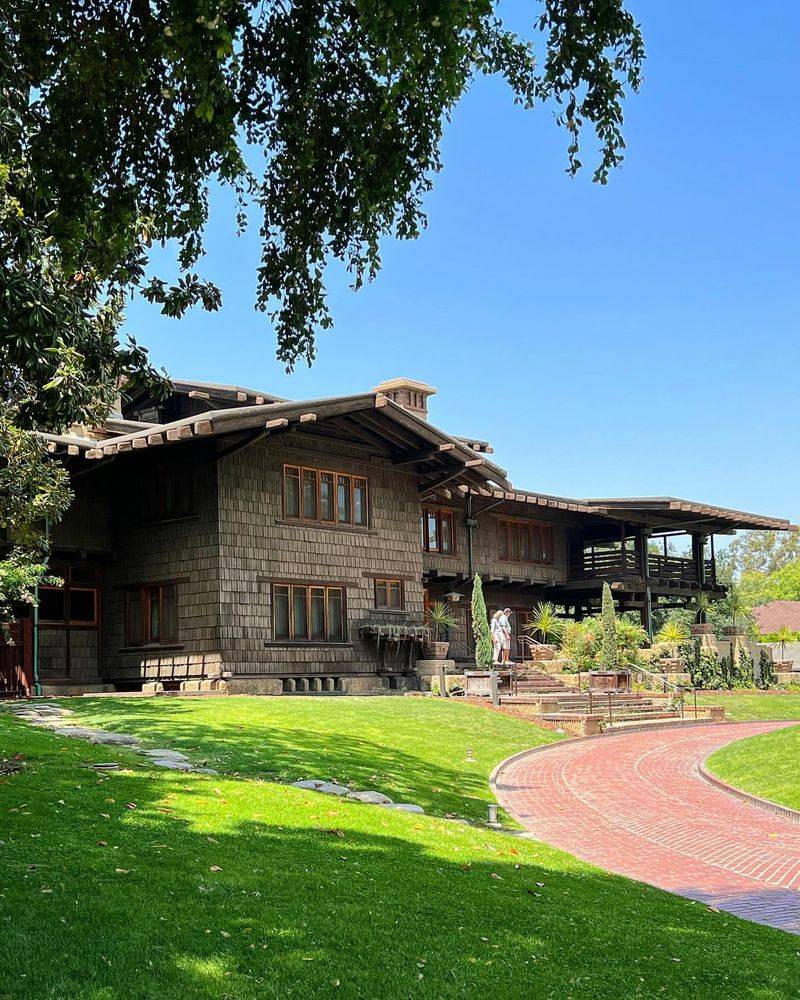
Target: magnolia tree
[(324, 118)]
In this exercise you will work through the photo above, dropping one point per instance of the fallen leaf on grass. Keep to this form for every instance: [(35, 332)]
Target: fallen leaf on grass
[(215, 868)]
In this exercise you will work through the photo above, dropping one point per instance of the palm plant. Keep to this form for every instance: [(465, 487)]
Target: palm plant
[(782, 636), (702, 602), (672, 634), (735, 606), (545, 622), (440, 619)]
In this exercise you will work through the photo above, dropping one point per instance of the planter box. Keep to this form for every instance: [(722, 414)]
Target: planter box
[(436, 650), (609, 680), (701, 628)]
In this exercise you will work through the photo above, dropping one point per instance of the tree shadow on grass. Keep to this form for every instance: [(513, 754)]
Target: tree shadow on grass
[(288, 753), (213, 889)]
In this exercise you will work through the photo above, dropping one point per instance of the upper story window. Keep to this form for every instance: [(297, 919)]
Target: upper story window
[(389, 595), (335, 498), (75, 602), (523, 541), (308, 613), (437, 531), (166, 493), (151, 615)]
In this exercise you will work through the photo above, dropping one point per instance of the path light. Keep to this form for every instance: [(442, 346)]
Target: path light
[(492, 822)]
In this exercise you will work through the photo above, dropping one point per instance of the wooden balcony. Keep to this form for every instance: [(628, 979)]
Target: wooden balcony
[(612, 564)]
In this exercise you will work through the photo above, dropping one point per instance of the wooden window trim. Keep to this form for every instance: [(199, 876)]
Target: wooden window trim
[(388, 581), (291, 586), (544, 532), (144, 592), (65, 572), (336, 522), (438, 513)]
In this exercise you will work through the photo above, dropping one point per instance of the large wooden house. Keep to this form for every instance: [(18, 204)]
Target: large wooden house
[(227, 533)]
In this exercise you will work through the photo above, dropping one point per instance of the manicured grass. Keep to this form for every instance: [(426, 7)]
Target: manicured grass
[(744, 706), (412, 749), (765, 765), (165, 886)]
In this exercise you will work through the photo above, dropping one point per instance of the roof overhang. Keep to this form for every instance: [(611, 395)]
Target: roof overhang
[(674, 513), (370, 420)]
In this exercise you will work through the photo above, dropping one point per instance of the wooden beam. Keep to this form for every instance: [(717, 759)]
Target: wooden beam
[(51, 447), (139, 443), (94, 453), (279, 423), (241, 397), (441, 480), (73, 449), (447, 446), (110, 449), (179, 433), (155, 439), (203, 427), (308, 418), (197, 394), (473, 462), (423, 455)]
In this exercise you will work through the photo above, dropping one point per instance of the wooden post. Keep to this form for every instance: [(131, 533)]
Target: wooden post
[(494, 687)]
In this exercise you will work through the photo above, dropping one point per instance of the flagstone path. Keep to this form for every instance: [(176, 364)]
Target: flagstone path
[(635, 803)]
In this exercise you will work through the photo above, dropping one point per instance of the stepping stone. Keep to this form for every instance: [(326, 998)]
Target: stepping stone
[(205, 770), (311, 783), (331, 788), (112, 739), (172, 764), (76, 732), (408, 807), (110, 766), (371, 798), (164, 754)]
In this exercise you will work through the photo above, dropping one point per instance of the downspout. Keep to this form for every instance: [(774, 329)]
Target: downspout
[(37, 686)]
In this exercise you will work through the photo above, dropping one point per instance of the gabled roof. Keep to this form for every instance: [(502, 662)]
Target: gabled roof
[(369, 419)]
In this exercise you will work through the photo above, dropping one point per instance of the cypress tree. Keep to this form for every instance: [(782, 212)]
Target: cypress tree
[(480, 627), (609, 653)]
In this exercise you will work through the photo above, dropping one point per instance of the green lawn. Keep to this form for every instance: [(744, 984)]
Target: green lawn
[(412, 749), (744, 706), (145, 883), (767, 765)]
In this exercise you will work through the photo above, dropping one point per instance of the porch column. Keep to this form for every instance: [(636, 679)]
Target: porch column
[(644, 569)]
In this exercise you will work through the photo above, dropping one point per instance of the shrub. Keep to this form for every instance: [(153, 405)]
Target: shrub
[(609, 652), (480, 627), (766, 671)]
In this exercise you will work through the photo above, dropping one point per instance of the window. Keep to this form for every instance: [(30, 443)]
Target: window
[(325, 497), (75, 602), (437, 531), (389, 595), (308, 612), (150, 615), (166, 493), (523, 541)]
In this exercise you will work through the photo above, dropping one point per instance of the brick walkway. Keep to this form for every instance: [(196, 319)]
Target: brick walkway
[(634, 803)]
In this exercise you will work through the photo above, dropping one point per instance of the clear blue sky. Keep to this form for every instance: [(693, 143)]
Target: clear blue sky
[(640, 338)]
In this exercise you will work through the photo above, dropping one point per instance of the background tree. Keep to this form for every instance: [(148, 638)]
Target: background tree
[(137, 105), (484, 655), (609, 650)]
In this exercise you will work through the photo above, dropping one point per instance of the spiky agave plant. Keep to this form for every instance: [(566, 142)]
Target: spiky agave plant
[(545, 622)]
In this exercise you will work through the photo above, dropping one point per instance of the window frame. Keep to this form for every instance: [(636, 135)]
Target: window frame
[(312, 592), (389, 582), (351, 481), (437, 515), (539, 541), (64, 571), (144, 592)]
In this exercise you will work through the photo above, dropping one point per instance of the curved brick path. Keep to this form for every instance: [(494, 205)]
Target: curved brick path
[(634, 803)]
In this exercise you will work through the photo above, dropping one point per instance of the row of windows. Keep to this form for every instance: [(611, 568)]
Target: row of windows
[(325, 497), (522, 541)]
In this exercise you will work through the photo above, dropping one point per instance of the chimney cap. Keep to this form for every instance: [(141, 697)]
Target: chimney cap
[(405, 383)]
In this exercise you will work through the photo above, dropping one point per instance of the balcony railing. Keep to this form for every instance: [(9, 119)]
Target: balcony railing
[(609, 563)]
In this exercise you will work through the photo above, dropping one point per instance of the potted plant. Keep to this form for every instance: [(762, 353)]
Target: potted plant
[(545, 622), (439, 620), (782, 637), (701, 626), (736, 609), (673, 634)]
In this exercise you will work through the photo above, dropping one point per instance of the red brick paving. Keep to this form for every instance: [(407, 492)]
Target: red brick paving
[(634, 803)]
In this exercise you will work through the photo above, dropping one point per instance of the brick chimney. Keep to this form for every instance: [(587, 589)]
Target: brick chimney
[(408, 393)]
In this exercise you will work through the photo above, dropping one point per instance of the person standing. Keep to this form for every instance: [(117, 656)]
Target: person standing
[(504, 627), (497, 637)]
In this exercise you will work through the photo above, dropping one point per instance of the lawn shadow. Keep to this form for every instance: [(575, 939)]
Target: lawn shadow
[(211, 888)]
